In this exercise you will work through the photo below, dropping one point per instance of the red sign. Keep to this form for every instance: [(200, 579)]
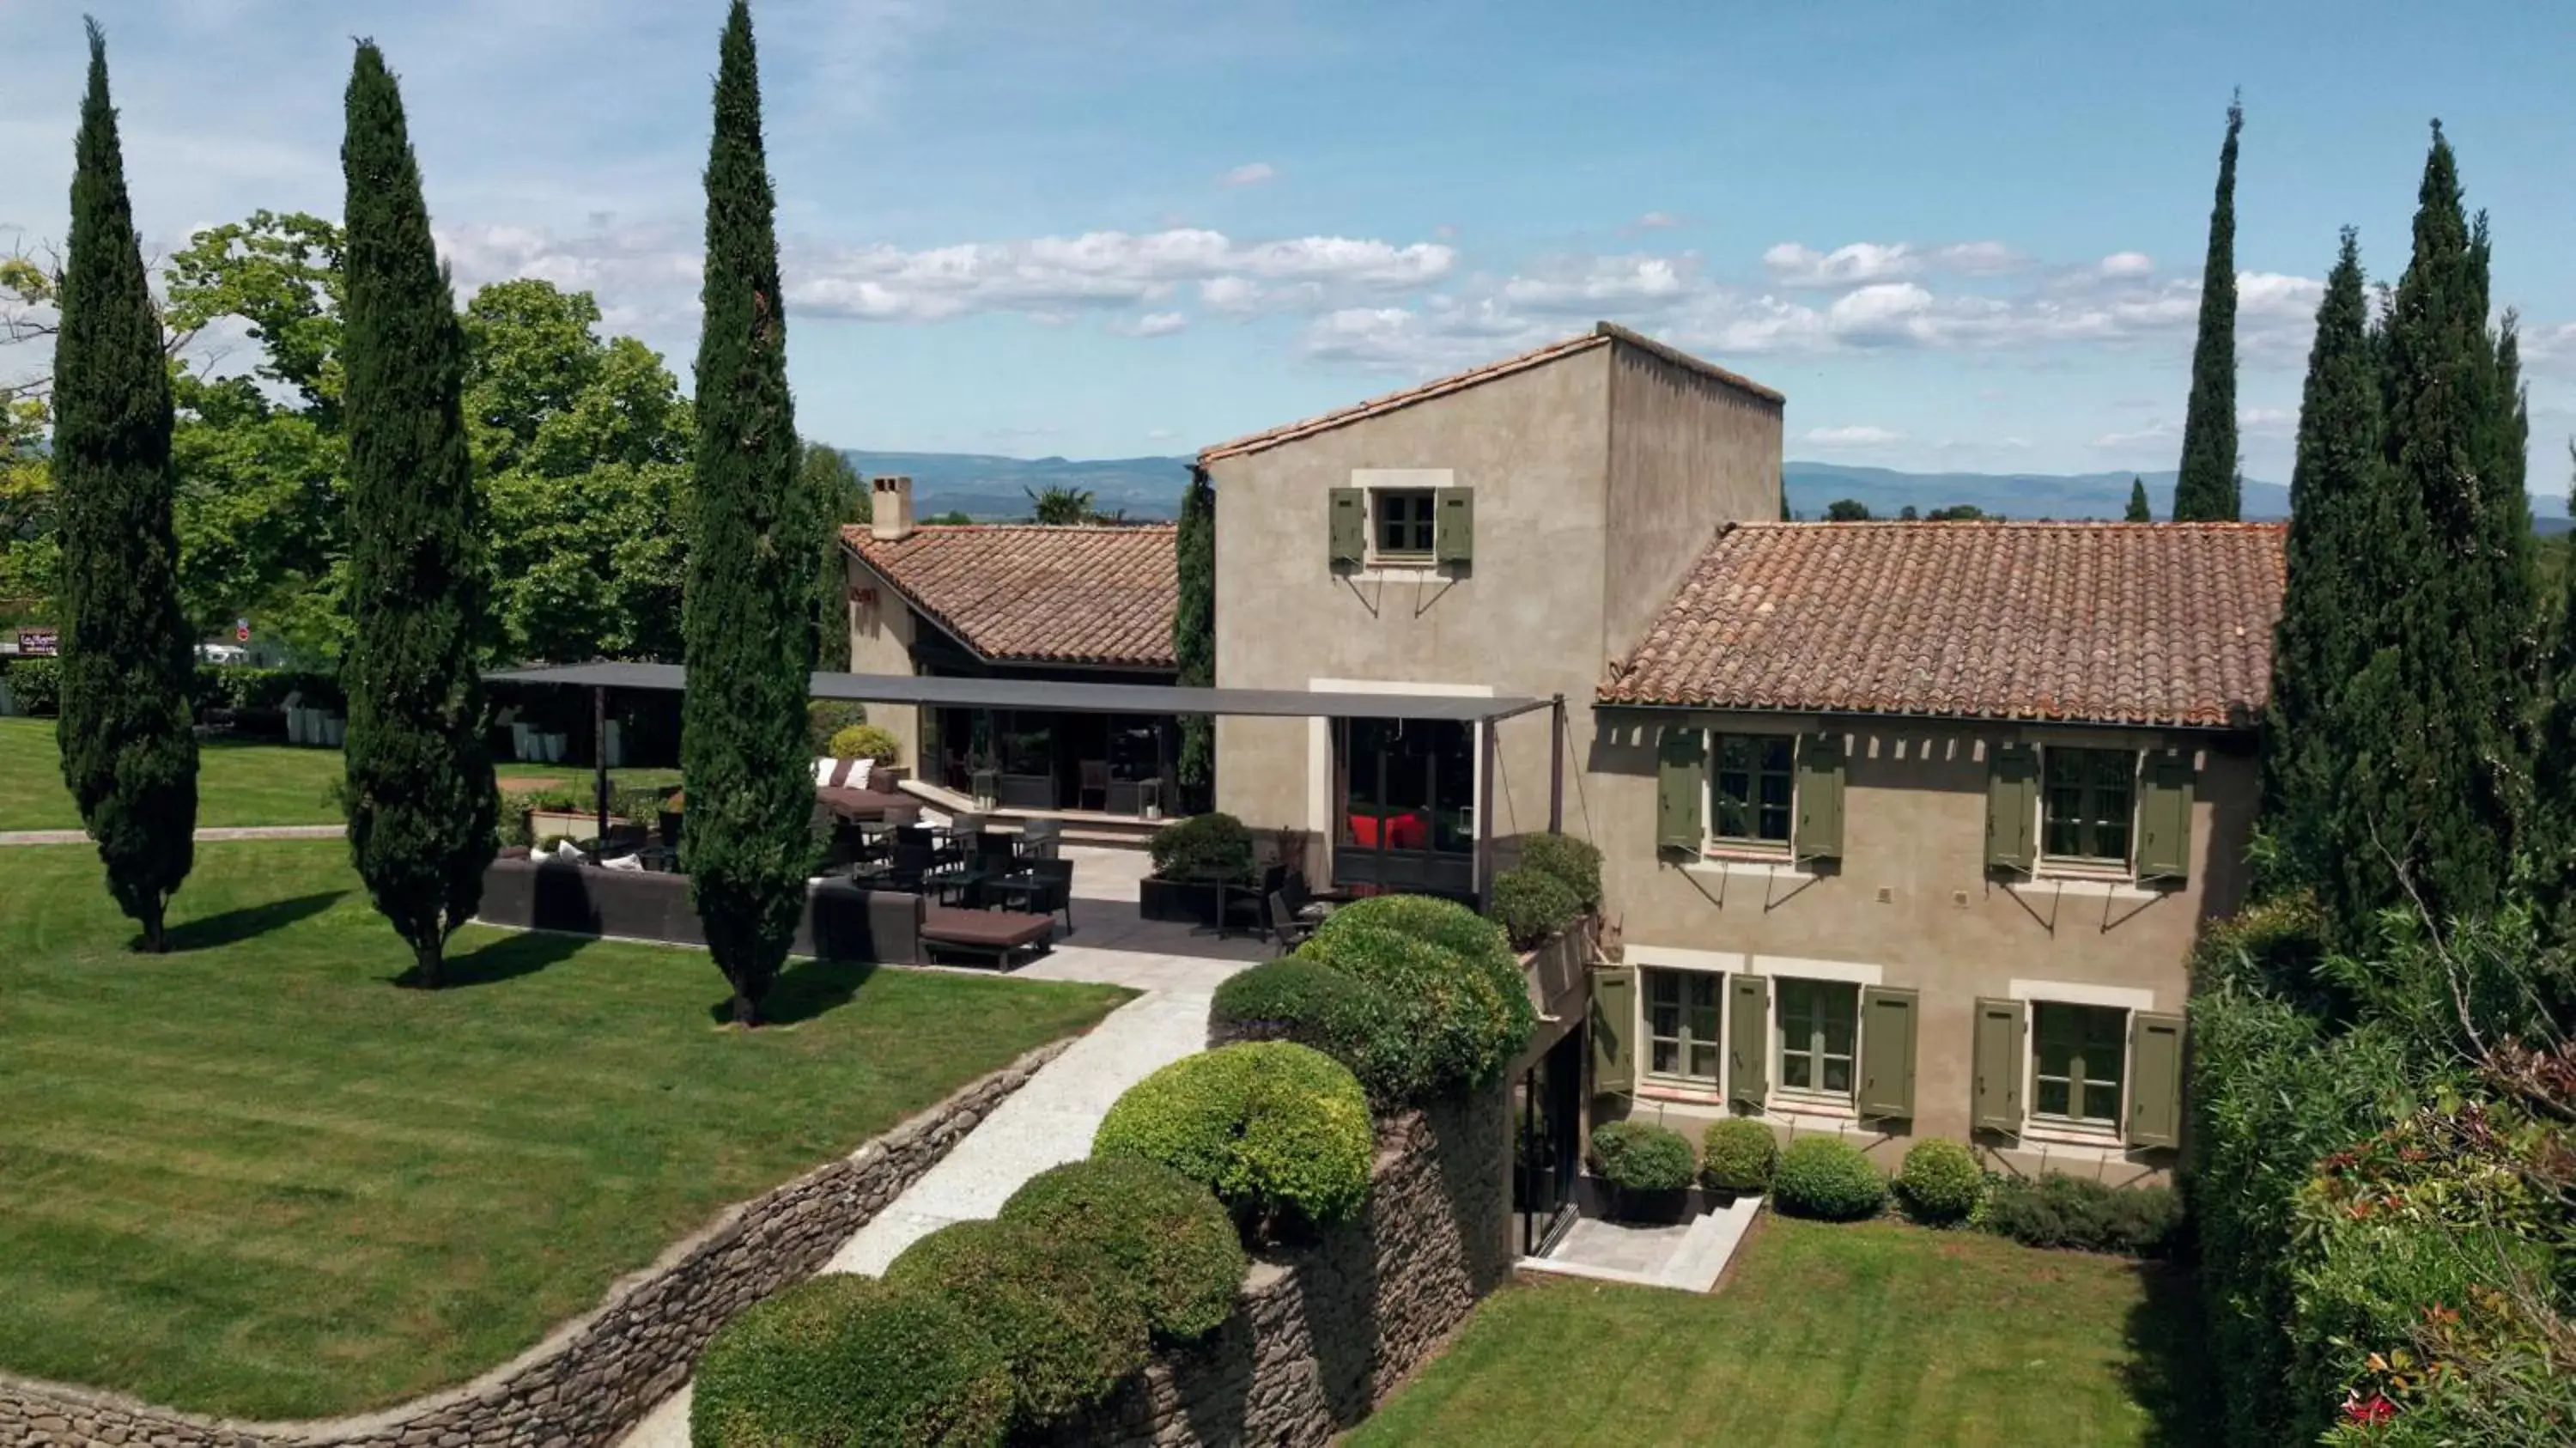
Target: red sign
[(39, 641), (241, 634)]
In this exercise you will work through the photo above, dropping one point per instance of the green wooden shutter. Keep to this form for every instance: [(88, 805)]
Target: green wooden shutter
[(1614, 1030), (2012, 807), (1820, 798), (1999, 1066), (1349, 527), (1453, 528), (1886, 1052), (2155, 1079), (2164, 817), (1681, 782), (1748, 1041)]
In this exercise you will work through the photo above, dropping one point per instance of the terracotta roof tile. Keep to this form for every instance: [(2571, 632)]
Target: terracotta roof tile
[(1029, 594), (1601, 335), (2109, 623)]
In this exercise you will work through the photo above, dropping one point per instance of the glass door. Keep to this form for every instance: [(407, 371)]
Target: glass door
[(1547, 1124), (1408, 818)]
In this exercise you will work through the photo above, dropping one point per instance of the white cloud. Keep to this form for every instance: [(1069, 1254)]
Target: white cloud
[(2267, 421), (1655, 221), (1156, 324), (2550, 346), (1862, 436), (1794, 265), (2155, 434), (2126, 265), (1604, 281), (1251, 173), (1979, 258)]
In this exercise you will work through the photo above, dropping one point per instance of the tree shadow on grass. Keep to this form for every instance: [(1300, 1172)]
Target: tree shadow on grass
[(805, 990), (520, 953), (250, 921), (2168, 1368)]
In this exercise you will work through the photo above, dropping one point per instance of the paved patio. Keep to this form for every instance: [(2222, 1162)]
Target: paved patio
[(1688, 1256), (1051, 1120)]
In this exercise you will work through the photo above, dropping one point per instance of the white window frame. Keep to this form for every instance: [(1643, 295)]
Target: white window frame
[(1812, 1096), (2075, 1126), (1716, 1079)]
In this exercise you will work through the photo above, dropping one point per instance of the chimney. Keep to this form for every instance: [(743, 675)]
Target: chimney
[(890, 508)]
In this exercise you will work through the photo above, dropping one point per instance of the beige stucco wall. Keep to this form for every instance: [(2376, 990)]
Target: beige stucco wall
[(881, 637), (1911, 899), (1549, 452)]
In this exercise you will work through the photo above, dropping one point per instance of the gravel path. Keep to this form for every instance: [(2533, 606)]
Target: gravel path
[(215, 832)]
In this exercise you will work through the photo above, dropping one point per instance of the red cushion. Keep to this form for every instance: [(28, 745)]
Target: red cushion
[(1407, 832), (1364, 831)]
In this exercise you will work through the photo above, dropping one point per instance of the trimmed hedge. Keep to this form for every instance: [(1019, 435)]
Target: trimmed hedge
[(1211, 846), (1575, 862), (1640, 1156), (1940, 1183), (2057, 1210), (1532, 905), (1827, 1177), (1171, 1242), (1302, 999), (35, 683), (866, 741), (1066, 1323), (1447, 976), (841, 1361), (827, 717), (1739, 1154), (1279, 1131)]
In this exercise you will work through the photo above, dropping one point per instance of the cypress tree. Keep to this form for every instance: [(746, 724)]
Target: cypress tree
[(749, 604), (1194, 625), (420, 795), (2445, 767), (2329, 610), (2208, 487), (2551, 840), (129, 752), (2139, 512)]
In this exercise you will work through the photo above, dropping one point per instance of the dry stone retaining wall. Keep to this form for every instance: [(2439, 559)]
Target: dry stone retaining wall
[(593, 1378), (1321, 1336)]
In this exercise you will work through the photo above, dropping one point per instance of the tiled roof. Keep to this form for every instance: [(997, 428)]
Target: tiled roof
[(2109, 623), (1601, 335), (1026, 593)]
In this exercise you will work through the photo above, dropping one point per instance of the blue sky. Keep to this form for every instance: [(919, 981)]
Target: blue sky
[(1957, 236)]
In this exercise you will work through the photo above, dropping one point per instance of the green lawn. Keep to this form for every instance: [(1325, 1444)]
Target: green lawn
[(237, 784), (254, 1177), (1853, 1336)]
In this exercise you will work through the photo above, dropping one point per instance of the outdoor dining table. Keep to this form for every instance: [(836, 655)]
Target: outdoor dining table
[(956, 885)]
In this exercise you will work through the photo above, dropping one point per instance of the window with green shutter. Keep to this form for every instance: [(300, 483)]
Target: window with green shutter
[(1681, 1025), (1886, 1052), (1349, 527), (2079, 1059), (1999, 1061), (1454, 532), (2155, 1079), (1752, 783), (2088, 803), (2164, 816), (1819, 835), (1614, 1025), (1748, 1042), (1404, 524), (1819, 1025), (2012, 807), (1680, 767)]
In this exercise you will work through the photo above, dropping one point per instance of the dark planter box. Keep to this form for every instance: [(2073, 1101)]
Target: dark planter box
[(1183, 902), (1596, 1198)]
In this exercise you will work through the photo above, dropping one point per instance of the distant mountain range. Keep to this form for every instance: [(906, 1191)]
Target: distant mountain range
[(996, 488)]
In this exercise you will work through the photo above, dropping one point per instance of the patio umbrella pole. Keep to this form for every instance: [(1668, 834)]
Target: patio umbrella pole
[(599, 754)]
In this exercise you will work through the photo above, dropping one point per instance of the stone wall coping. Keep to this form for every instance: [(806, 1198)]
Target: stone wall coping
[(727, 1228)]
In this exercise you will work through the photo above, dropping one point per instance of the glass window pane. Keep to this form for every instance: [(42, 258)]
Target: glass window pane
[(1703, 1059), (1838, 1073), (2052, 1097), (1838, 1010), (1796, 1072), (1777, 750), (2101, 1100)]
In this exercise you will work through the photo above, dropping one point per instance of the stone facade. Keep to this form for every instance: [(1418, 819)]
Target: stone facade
[(593, 1378), (1324, 1334)]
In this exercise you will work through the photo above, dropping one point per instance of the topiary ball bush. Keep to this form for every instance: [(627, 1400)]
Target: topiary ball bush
[(1532, 906), (1279, 1131), (1640, 1156), (1827, 1177), (1739, 1154), (1211, 846), (1172, 1243), (1450, 979), (841, 1361), (866, 741), (1576, 863), (1940, 1182), (1060, 1311), (1302, 999)]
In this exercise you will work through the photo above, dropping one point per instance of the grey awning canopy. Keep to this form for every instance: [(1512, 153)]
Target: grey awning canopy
[(1045, 694)]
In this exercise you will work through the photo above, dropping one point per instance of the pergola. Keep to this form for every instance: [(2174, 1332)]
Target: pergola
[(1481, 712)]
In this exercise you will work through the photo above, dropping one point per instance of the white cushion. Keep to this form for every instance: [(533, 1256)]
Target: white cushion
[(622, 862), (823, 770), (860, 769)]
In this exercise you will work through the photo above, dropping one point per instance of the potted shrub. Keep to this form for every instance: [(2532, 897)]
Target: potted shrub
[(1194, 862), (873, 742), (1737, 1157), (1648, 1170), (1532, 906)]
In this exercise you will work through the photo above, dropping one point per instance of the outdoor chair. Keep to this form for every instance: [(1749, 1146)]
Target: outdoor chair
[(910, 863), (1050, 893), (1040, 839), (1288, 928), (1247, 907), (1092, 778)]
